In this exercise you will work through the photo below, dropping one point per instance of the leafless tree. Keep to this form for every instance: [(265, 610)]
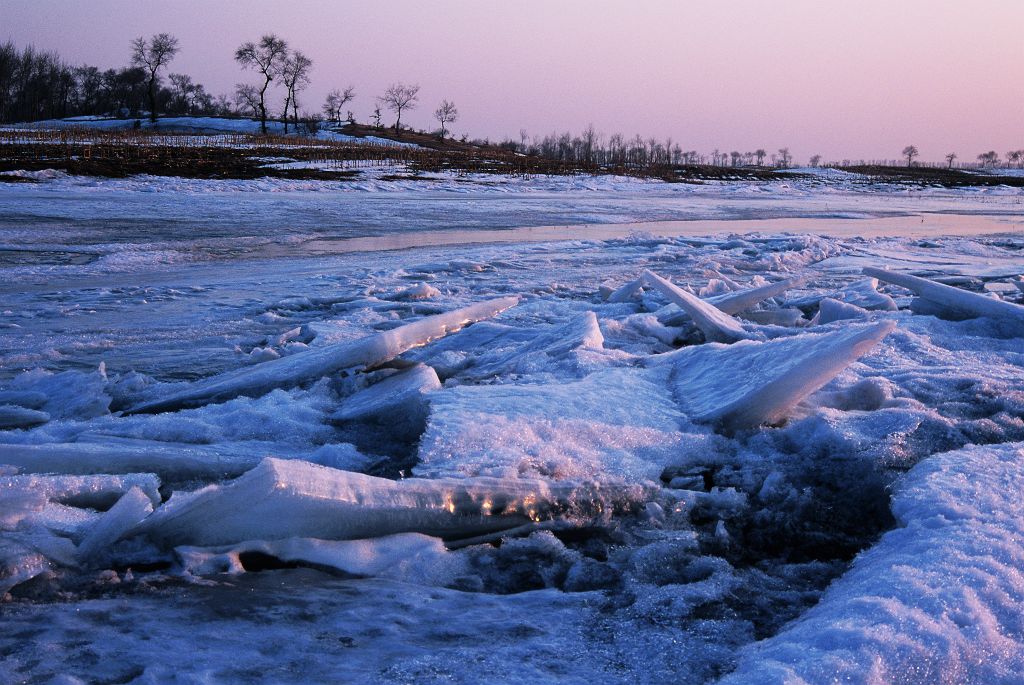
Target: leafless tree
[(910, 152), (247, 98), (446, 114), (784, 157), (266, 57), (736, 156), (295, 77), (990, 158), (1014, 156), (153, 55), (950, 158), (815, 160), (398, 98), (337, 99), (760, 154), (376, 116)]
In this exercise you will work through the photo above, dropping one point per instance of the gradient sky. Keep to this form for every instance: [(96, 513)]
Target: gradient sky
[(848, 80)]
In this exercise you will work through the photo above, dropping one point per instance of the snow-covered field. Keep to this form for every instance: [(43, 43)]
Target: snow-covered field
[(577, 430)]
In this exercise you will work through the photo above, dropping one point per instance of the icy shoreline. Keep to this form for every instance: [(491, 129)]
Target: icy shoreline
[(702, 519)]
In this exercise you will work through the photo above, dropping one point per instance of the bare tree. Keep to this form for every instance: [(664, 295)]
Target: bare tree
[(399, 97), (950, 158), (815, 160), (266, 57), (446, 114), (153, 55), (337, 99), (247, 97), (295, 77), (910, 152), (760, 154), (376, 116), (784, 157), (990, 158), (1014, 156), (736, 156)]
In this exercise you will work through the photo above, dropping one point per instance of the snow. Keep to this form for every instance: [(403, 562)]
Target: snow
[(936, 600), (679, 505)]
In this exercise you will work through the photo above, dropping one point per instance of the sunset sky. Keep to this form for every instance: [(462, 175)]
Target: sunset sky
[(846, 80)]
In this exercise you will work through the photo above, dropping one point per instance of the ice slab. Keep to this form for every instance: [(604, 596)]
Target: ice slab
[(958, 302), (865, 294), (283, 499), (735, 302), (830, 311), (786, 316), (716, 325), (18, 562), (310, 365), (172, 462), (14, 416), (404, 391), (96, 492), (751, 383), (615, 424), (409, 557), (133, 506), (23, 398), (936, 600), (420, 291), (547, 349), (399, 400), (627, 292)]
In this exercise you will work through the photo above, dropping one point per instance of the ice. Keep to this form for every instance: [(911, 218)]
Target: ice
[(627, 292), (13, 416), (786, 316), (736, 302), (282, 499), (556, 346), (953, 301), (408, 557), (420, 291), (399, 401), (96, 492), (865, 294), (172, 462), (936, 600), (830, 311), (132, 507), (18, 563), (745, 385), (308, 366), (23, 398), (615, 424), (716, 325)]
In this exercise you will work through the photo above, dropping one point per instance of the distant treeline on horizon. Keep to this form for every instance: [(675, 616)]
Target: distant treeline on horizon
[(37, 85)]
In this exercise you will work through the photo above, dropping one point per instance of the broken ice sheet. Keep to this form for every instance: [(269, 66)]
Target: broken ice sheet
[(751, 383), (613, 424), (304, 367), (282, 499), (716, 325), (950, 301)]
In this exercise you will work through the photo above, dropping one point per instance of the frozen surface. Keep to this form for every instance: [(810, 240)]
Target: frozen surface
[(716, 325), (936, 600), (955, 301), (664, 548)]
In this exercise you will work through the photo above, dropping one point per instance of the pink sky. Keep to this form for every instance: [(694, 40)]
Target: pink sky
[(843, 79)]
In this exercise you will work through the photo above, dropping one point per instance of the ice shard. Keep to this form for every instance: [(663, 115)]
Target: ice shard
[(752, 383), (97, 492), (133, 506), (170, 461), (830, 311), (310, 365), (954, 300), (15, 416), (551, 347), (716, 325), (740, 301), (283, 499)]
